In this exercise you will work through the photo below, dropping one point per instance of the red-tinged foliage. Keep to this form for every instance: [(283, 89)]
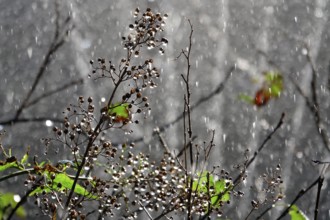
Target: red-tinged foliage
[(262, 97)]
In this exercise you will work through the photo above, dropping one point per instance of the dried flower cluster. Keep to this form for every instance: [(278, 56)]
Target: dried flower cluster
[(100, 178)]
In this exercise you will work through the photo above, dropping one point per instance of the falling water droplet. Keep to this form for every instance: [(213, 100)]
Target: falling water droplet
[(29, 52), (296, 19), (224, 136), (304, 51), (49, 123), (17, 198)]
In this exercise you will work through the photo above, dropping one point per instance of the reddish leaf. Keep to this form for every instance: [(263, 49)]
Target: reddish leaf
[(262, 97)]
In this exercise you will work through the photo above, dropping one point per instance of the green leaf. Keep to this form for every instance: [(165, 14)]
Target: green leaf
[(9, 163), (246, 98), (7, 203), (62, 182), (119, 111), (25, 158), (275, 83), (220, 190), (200, 185), (296, 214)]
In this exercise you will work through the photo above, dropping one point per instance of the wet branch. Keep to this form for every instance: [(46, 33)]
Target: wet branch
[(57, 90), (248, 163), (57, 42), (264, 142), (299, 195), (209, 96), (187, 113), (313, 102)]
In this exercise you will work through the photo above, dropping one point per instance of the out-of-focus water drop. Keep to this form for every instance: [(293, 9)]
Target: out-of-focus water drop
[(49, 123), (17, 198), (304, 51), (299, 154), (29, 52)]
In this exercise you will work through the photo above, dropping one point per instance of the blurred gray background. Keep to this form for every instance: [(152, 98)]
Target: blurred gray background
[(226, 33)]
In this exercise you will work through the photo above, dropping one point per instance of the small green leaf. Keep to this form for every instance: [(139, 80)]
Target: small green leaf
[(200, 185), (7, 201), (246, 98), (9, 163), (275, 83), (119, 111), (62, 182), (25, 158), (296, 214), (220, 190)]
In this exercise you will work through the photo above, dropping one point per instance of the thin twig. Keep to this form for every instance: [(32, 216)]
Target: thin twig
[(49, 93), (146, 211), (57, 42), (264, 212), (215, 92), (265, 141), (313, 103), (318, 195), (319, 187), (188, 116), (24, 198), (299, 195), (184, 148), (317, 116), (247, 164), (163, 143)]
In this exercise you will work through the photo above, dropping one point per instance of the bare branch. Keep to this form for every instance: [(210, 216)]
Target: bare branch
[(57, 90), (299, 195), (57, 43)]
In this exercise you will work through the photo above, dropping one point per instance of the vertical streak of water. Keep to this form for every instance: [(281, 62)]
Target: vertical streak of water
[(220, 56), (262, 42)]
